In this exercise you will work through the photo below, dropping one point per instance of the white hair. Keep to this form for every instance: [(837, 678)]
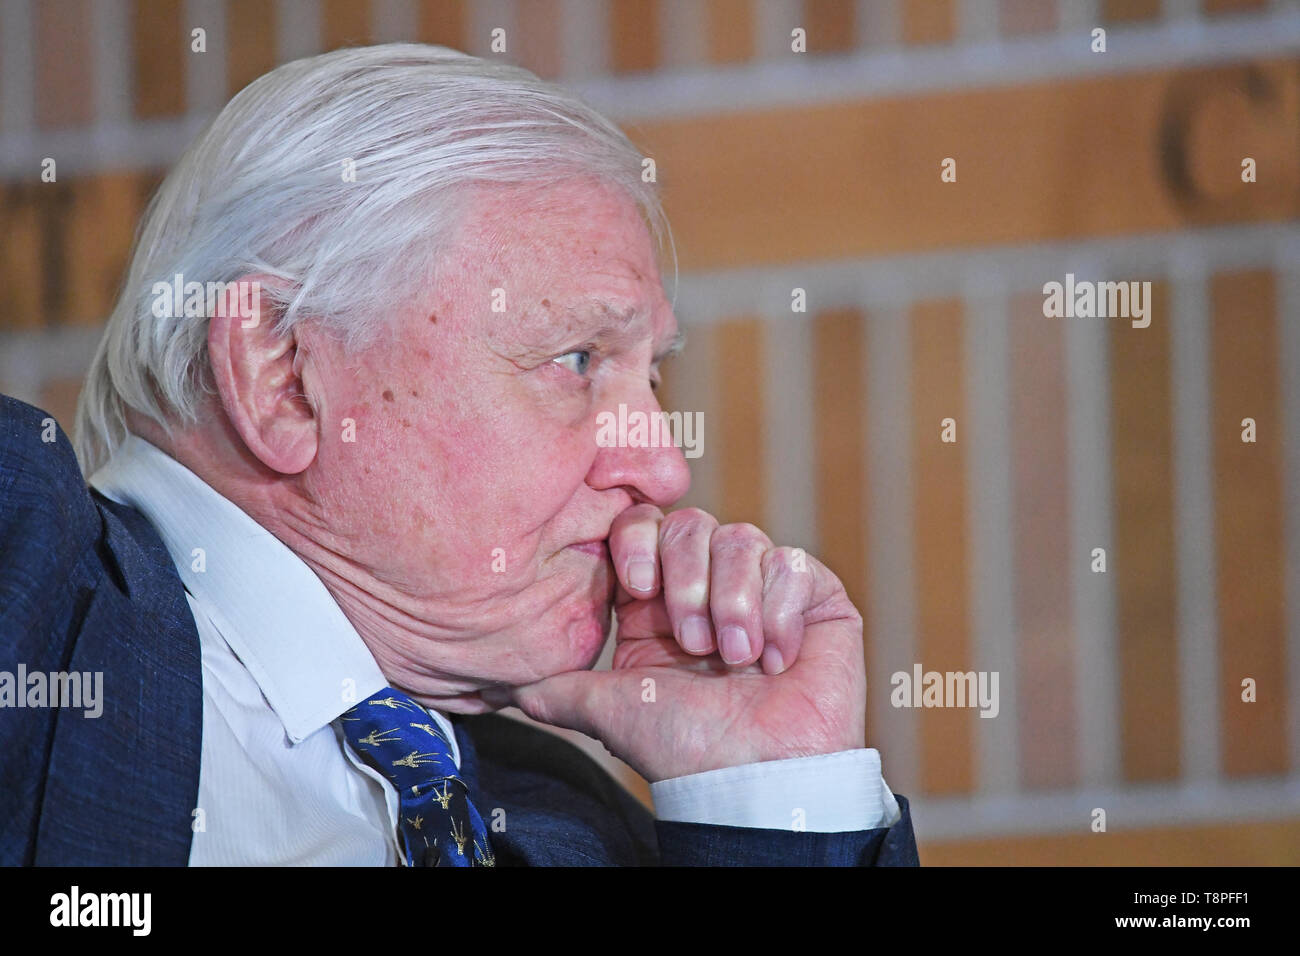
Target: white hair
[(262, 190)]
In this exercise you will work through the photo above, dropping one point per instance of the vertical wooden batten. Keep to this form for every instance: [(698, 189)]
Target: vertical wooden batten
[(1143, 561), (250, 41), (1041, 533), (1248, 514), (159, 45), (839, 410), (739, 434), (943, 628)]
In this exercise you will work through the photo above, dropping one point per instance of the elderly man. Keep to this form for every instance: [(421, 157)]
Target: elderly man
[(344, 512)]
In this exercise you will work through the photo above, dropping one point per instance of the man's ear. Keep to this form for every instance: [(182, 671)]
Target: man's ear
[(258, 376)]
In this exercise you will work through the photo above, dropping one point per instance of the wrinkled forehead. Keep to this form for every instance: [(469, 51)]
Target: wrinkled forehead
[(585, 319), (580, 223), (574, 255)]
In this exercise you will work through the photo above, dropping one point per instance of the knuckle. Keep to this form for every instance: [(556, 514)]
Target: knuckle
[(786, 620), (738, 539), (689, 595), (685, 524), (780, 561), (785, 575), (736, 606)]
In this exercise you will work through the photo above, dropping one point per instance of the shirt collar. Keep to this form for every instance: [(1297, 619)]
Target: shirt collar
[(268, 605)]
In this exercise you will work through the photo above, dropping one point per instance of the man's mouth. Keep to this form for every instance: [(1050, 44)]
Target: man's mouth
[(598, 548)]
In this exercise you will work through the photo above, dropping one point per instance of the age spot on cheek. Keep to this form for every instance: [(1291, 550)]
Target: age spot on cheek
[(388, 395)]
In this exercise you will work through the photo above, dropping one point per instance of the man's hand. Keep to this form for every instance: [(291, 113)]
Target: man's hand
[(699, 605)]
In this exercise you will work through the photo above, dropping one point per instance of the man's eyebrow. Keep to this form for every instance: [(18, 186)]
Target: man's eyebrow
[(616, 319), (599, 317), (603, 309)]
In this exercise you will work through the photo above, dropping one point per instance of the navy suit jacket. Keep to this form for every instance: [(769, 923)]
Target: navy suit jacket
[(86, 585)]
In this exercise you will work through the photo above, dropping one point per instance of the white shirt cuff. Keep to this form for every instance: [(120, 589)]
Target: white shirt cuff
[(825, 793)]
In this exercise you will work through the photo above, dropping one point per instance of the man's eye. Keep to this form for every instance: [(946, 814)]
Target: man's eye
[(577, 361)]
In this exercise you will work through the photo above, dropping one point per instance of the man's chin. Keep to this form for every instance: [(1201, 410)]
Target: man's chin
[(471, 704), (587, 638), (584, 638)]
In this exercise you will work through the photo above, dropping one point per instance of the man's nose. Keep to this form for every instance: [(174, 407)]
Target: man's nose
[(640, 449)]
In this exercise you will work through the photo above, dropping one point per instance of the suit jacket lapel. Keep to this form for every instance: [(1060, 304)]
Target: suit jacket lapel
[(122, 787)]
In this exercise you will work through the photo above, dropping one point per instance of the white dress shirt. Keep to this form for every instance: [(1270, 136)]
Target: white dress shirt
[(281, 663)]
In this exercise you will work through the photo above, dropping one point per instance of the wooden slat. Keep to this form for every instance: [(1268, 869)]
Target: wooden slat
[(942, 536), (1026, 17), (55, 204), (831, 25), (250, 50), (1045, 689), (927, 22), (64, 52), (839, 405), (66, 247), (739, 434), (159, 45), (21, 225), (345, 23), (1271, 843), (840, 468), (537, 37), (1248, 522), (1142, 561), (634, 35), (1129, 11), (871, 186), (97, 244), (1217, 7), (731, 25), (443, 22)]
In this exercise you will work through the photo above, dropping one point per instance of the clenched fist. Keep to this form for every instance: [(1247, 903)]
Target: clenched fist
[(730, 650)]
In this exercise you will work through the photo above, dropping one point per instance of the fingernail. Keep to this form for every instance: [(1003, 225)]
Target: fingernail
[(641, 575), (734, 643), (695, 635), (773, 663)]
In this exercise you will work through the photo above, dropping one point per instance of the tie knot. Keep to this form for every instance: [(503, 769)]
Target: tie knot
[(437, 822), (399, 738)]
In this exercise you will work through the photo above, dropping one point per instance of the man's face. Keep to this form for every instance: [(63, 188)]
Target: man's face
[(473, 503)]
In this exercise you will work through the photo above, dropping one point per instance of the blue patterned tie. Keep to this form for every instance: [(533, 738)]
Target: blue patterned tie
[(438, 824)]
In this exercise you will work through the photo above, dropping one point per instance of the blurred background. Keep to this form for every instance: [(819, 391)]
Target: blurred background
[(820, 171)]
